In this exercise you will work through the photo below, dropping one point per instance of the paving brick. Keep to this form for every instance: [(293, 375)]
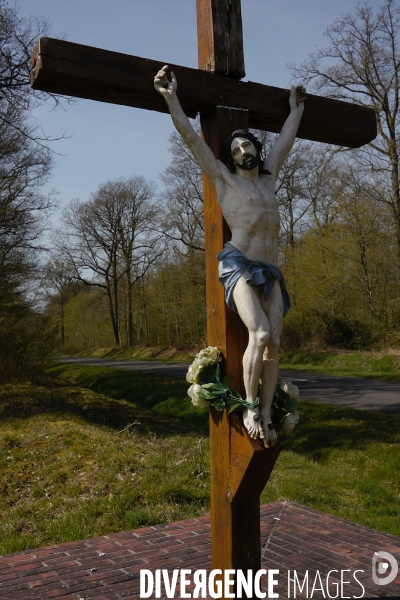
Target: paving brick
[(302, 539)]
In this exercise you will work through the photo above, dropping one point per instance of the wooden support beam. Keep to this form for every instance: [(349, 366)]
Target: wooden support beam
[(72, 69), (220, 37)]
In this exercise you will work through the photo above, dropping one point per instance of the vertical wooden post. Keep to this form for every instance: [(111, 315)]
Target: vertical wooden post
[(220, 37), (240, 466)]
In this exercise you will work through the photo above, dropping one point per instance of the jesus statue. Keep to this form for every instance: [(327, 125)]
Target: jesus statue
[(248, 267)]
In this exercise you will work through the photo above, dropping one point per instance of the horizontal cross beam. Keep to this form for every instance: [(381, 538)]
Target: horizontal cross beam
[(70, 69)]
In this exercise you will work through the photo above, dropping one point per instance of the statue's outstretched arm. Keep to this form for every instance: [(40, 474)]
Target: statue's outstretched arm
[(201, 152), (284, 143)]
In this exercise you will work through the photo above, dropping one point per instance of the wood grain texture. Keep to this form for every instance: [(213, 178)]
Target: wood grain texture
[(75, 70), (251, 463), (220, 37)]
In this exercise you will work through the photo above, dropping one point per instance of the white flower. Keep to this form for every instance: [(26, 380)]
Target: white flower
[(211, 353), (208, 356), (290, 388), (289, 422), (192, 375), (196, 400)]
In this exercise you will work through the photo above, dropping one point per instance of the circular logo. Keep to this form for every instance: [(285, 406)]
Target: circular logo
[(381, 562)]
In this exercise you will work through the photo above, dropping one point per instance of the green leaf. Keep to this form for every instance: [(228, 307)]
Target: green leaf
[(207, 375), (281, 394), (227, 380), (206, 395), (292, 405), (215, 388), (218, 405), (234, 407)]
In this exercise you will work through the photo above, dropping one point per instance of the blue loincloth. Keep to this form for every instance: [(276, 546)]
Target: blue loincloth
[(233, 263)]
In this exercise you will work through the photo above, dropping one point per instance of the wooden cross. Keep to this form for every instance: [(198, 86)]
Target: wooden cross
[(240, 466)]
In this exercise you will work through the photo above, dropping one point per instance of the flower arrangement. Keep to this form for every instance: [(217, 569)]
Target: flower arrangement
[(209, 389)]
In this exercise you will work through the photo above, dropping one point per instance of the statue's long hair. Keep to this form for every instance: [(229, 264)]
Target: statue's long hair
[(226, 156)]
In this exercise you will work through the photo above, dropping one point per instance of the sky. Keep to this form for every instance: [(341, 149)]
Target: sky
[(105, 141)]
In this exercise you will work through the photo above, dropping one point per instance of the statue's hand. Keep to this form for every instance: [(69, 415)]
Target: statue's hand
[(162, 85), (297, 96)]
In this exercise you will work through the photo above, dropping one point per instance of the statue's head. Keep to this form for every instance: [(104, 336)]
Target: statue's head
[(243, 150)]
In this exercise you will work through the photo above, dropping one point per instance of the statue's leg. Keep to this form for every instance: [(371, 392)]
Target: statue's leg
[(248, 303), (273, 308)]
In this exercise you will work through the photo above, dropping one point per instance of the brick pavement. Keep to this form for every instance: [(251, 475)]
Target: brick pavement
[(293, 538)]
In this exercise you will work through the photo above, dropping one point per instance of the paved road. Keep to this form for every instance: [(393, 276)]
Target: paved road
[(367, 394)]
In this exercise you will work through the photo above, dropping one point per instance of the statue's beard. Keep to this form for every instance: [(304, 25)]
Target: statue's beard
[(249, 162)]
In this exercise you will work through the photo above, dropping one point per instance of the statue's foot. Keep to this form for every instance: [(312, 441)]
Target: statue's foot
[(253, 422), (270, 437)]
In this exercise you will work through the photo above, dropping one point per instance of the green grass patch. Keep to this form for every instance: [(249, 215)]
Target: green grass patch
[(165, 398), (342, 461), (161, 354), (354, 364), (98, 450), (77, 464)]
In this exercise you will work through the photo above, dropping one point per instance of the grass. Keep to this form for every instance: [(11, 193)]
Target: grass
[(98, 450), (163, 397), (77, 464), (155, 353), (345, 462), (354, 364)]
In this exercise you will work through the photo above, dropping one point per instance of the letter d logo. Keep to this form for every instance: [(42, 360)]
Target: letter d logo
[(385, 560)]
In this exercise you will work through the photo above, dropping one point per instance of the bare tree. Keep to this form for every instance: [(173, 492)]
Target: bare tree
[(293, 194), (362, 64), (59, 285), (184, 218), (25, 160), (111, 238), (23, 170), (140, 243)]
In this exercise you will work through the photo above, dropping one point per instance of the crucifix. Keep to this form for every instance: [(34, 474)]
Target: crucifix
[(240, 464)]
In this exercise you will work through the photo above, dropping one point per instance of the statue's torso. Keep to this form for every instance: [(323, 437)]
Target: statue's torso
[(251, 211)]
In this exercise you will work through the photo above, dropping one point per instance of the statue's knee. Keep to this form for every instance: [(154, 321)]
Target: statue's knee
[(262, 338), (274, 343)]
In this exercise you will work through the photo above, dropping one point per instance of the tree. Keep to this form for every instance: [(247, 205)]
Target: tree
[(140, 243), (25, 161), (362, 64), (184, 219), (113, 238), (342, 273), (293, 194), (18, 36), (60, 286), (23, 170), (183, 222), (25, 164)]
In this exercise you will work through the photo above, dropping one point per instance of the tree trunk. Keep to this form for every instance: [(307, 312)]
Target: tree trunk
[(129, 317), (111, 310), (62, 323), (117, 336), (146, 322), (367, 280), (395, 193)]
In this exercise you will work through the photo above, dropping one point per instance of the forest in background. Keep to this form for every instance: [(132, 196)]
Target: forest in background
[(338, 253), (126, 266)]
